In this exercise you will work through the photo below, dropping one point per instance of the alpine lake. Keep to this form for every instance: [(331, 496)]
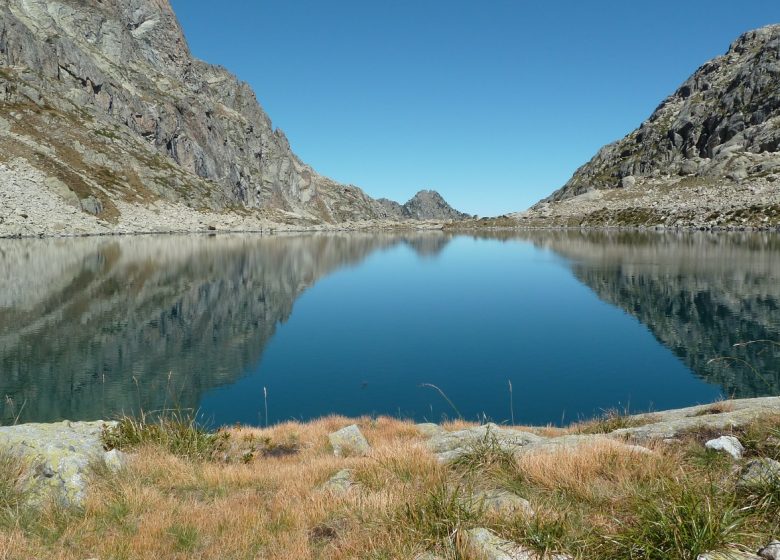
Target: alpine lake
[(539, 327)]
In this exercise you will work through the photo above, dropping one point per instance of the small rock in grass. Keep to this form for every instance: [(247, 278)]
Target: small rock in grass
[(348, 442), (115, 460), (503, 503), (486, 544), (429, 429), (770, 551), (728, 555), (339, 483), (726, 444), (428, 556), (758, 472)]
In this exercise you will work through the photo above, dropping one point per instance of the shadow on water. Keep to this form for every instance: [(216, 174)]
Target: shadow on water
[(93, 327)]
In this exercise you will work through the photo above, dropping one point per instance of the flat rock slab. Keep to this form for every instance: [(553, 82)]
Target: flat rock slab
[(449, 446), (58, 457), (672, 423), (489, 546), (349, 442)]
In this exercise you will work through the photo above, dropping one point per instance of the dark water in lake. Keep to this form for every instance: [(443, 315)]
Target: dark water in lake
[(355, 323)]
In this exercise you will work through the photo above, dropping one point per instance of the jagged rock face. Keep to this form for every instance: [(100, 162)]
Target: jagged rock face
[(105, 97), (425, 205), (428, 205), (723, 123)]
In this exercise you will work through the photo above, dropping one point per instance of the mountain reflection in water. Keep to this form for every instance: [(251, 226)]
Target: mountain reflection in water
[(93, 327)]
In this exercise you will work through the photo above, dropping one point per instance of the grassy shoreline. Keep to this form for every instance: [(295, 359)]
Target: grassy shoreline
[(248, 493)]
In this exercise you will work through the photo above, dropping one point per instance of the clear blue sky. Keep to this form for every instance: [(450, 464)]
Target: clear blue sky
[(493, 103)]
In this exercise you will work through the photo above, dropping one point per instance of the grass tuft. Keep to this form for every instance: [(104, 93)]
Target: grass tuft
[(438, 514), (13, 491), (680, 520), (177, 432), (609, 421), (485, 455)]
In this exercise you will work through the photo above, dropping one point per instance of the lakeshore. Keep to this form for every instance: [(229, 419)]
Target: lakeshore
[(699, 482)]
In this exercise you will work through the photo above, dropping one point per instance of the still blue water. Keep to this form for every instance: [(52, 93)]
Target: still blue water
[(356, 324)]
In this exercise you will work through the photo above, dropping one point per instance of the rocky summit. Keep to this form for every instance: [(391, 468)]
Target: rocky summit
[(108, 124), (709, 156), (425, 205)]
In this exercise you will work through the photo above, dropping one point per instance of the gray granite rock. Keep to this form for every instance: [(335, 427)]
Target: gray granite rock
[(349, 442), (339, 483), (59, 457), (759, 472), (728, 555), (429, 429), (449, 446), (726, 444), (489, 546), (502, 503), (770, 551)]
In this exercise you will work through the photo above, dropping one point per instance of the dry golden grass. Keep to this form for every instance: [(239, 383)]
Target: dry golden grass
[(164, 507), (594, 472), (719, 407), (270, 504)]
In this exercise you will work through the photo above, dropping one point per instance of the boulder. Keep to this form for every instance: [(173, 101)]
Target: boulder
[(59, 457), (349, 442), (726, 444)]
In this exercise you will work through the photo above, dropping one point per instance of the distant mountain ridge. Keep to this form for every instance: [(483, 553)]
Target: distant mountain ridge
[(103, 110), (709, 155)]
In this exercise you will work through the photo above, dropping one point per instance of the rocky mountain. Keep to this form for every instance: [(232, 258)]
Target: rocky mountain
[(105, 112), (708, 155), (425, 205)]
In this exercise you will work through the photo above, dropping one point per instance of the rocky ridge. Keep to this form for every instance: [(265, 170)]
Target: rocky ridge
[(708, 156), (425, 205), (108, 121)]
